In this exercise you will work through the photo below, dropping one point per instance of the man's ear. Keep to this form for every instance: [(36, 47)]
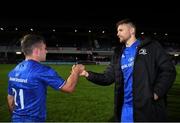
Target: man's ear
[(132, 31), (35, 51)]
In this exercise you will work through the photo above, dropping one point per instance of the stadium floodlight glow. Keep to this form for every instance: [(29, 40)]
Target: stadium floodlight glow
[(142, 33), (54, 30), (1, 28), (75, 30), (89, 30), (103, 31), (18, 53), (176, 54), (31, 29), (16, 28), (155, 33), (166, 34)]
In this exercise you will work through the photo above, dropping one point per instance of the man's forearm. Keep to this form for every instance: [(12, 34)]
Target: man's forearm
[(10, 100)]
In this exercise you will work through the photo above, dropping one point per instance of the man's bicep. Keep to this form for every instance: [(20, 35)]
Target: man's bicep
[(166, 73)]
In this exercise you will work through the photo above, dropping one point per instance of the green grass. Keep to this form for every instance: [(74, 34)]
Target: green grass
[(174, 99), (89, 102)]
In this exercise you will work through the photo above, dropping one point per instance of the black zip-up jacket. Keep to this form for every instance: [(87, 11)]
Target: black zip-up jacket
[(153, 72)]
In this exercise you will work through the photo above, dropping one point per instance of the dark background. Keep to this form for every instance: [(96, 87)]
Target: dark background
[(150, 16), (147, 14)]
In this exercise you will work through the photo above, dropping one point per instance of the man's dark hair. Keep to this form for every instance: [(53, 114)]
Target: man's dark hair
[(126, 21), (29, 42)]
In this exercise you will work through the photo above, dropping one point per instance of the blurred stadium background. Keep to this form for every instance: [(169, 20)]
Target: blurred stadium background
[(74, 42)]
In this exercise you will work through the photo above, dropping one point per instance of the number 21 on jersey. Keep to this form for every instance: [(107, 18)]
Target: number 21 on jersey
[(19, 93)]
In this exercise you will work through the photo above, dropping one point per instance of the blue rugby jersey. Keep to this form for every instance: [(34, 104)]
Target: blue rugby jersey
[(28, 83), (127, 63)]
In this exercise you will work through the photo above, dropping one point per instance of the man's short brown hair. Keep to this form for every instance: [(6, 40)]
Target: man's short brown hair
[(30, 41)]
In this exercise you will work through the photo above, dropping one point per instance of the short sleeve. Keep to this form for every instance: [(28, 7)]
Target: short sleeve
[(51, 78), (10, 91)]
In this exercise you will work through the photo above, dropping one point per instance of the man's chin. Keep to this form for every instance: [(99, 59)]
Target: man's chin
[(121, 41)]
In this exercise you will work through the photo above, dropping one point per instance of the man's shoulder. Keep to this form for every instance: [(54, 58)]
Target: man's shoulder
[(45, 69), (149, 41), (15, 68)]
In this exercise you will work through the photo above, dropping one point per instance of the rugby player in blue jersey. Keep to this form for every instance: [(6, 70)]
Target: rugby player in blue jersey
[(28, 82)]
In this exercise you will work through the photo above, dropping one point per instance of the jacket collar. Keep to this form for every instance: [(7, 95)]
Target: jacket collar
[(145, 41)]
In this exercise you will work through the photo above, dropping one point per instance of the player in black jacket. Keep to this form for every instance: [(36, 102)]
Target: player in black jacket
[(143, 74)]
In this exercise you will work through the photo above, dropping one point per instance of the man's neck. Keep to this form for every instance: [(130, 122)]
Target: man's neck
[(130, 41), (31, 58)]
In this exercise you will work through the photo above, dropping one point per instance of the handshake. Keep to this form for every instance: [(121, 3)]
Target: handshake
[(80, 70)]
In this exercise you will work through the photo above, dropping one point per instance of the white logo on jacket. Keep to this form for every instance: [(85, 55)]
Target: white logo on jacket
[(143, 51)]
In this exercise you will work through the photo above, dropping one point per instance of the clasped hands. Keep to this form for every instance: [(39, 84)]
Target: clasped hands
[(80, 70)]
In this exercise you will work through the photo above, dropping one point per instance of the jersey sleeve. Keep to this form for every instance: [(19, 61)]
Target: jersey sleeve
[(10, 92), (51, 78)]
